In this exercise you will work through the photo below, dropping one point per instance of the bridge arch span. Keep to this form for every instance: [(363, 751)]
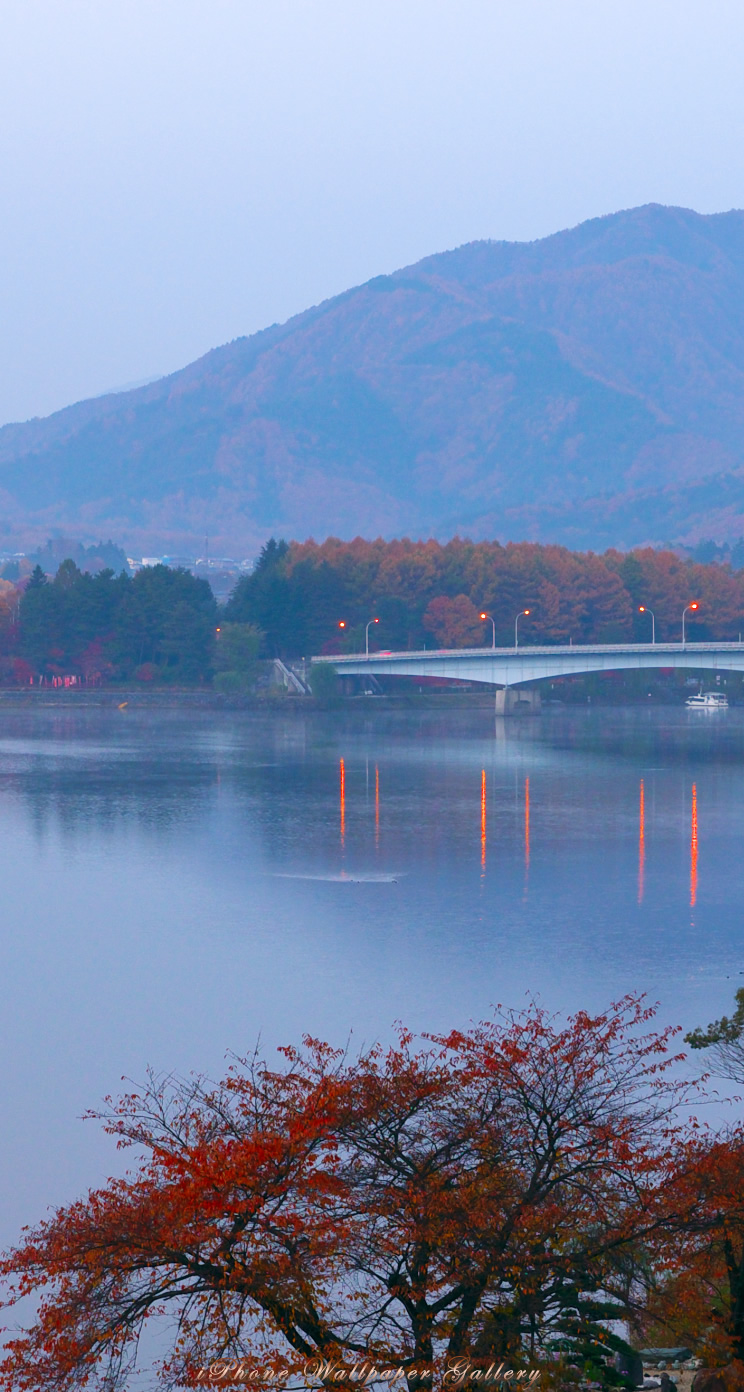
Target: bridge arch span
[(517, 666)]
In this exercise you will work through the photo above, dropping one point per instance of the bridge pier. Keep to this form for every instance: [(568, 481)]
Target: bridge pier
[(513, 700)]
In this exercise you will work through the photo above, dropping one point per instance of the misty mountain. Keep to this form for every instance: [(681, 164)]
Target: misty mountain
[(586, 388)]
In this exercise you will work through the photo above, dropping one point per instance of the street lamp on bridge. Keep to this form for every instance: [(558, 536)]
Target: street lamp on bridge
[(686, 610), (642, 609), (342, 624), (493, 626), (516, 626)]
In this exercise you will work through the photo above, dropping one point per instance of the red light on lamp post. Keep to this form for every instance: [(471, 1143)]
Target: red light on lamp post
[(642, 609), (366, 635), (493, 626), (687, 610), (516, 626)]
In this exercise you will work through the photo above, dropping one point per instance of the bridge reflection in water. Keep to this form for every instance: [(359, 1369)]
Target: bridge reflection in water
[(483, 828), (693, 848), (526, 828), (641, 843), (483, 819)]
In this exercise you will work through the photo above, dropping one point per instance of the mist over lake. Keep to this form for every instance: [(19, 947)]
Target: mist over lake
[(177, 885)]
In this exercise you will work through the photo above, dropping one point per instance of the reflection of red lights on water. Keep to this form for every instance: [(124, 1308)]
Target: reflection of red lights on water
[(342, 795), (483, 819), (641, 843), (526, 823), (693, 848), (377, 805)]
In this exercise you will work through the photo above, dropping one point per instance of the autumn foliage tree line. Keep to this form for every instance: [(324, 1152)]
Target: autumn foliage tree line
[(527, 1191), (162, 624), (430, 593)]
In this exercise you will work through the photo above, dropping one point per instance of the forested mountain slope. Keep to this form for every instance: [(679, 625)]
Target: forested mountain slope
[(587, 388)]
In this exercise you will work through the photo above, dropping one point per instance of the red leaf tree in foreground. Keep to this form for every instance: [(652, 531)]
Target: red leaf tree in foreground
[(413, 1202), (697, 1298), (701, 1298)]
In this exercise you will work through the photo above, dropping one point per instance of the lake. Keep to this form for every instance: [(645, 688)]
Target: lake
[(177, 885)]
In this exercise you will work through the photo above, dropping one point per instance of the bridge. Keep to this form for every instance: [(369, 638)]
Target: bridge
[(512, 667)]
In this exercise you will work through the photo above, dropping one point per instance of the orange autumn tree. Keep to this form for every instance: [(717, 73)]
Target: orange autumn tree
[(703, 1299), (411, 1202), (698, 1296), (455, 623)]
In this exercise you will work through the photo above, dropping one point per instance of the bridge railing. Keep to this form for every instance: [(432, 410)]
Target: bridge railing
[(537, 650)]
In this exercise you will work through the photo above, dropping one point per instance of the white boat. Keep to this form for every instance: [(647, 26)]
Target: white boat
[(708, 700)]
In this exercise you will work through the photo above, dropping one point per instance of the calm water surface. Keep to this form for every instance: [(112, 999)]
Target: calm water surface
[(176, 885)]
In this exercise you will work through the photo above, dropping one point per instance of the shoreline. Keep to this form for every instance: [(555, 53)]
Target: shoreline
[(217, 700), (20, 698)]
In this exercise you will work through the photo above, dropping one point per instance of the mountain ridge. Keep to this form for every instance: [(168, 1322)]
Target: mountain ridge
[(586, 388)]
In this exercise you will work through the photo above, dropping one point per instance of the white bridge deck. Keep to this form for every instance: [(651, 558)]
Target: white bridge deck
[(512, 666)]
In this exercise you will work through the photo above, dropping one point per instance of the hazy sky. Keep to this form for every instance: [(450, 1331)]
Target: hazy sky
[(175, 173)]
